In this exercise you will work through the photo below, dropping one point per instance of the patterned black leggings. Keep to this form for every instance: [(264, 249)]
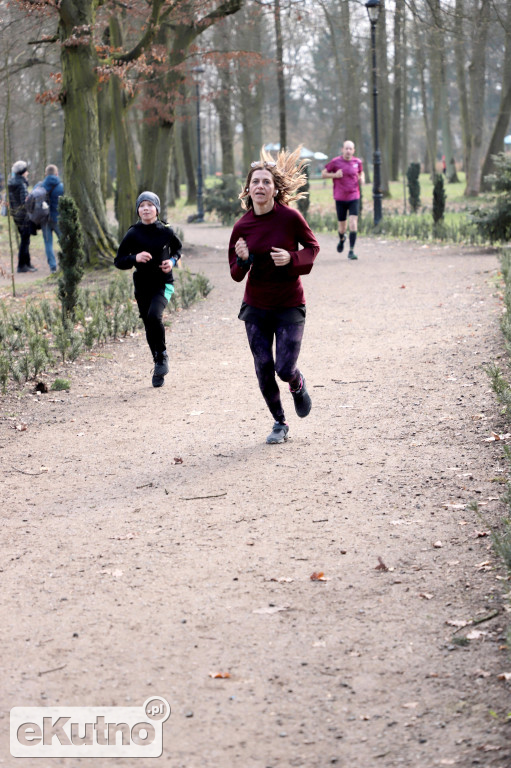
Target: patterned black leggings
[(288, 340)]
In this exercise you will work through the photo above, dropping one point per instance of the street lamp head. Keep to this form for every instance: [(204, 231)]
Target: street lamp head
[(373, 10)]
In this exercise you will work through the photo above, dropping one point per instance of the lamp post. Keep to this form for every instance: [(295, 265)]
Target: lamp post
[(373, 11), (200, 203)]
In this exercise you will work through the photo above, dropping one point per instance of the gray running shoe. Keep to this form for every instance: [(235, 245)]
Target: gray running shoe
[(352, 256), (278, 434)]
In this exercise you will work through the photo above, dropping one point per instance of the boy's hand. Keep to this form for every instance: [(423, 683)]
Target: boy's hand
[(143, 256), (166, 266)]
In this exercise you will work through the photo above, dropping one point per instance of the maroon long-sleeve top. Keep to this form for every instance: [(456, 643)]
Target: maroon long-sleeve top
[(268, 286)]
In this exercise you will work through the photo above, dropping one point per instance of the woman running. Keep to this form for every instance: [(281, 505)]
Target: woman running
[(264, 248)]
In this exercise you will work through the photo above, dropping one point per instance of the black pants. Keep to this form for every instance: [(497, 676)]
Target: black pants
[(151, 306), (288, 340), (24, 252)]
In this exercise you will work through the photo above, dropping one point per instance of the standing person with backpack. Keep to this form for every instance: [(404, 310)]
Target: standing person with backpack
[(55, 188), (153, 249), (18, 192)]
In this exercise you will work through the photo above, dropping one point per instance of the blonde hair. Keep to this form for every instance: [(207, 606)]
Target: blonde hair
[(288, 176)]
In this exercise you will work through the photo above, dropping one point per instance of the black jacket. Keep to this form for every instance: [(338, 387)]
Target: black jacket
[(160, 241), (18, 191)]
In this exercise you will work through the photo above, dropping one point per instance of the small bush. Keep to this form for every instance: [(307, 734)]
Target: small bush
[(223, 200), (60, 385), (439, 198), (414, 187), (494, 222)]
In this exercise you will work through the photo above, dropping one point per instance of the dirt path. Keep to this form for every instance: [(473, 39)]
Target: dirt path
[(125, 574)]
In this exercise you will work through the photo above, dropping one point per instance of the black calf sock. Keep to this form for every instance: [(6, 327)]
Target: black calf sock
[(353, 238)]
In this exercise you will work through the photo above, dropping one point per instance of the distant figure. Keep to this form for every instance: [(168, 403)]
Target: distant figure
[(347, 173), (18, 191), (55, 188), (444, 166)]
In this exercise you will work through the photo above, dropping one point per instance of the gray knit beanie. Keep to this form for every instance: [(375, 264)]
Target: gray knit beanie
[(19, 167), (151, 198)]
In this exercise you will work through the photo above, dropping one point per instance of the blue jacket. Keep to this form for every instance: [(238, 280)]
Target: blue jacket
[(55, 189)]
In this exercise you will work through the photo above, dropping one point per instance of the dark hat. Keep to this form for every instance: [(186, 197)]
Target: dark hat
[(19, 167), (150, 197)]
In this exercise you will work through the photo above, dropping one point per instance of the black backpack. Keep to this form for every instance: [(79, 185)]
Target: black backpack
[(37, 205)]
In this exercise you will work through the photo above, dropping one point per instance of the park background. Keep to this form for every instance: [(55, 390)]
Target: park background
[(116, 97)]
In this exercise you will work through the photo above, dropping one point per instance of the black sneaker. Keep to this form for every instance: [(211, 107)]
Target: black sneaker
[(24, 269), (352, 256), (303, 403), (278, 434), (161, 368), (340, 244)]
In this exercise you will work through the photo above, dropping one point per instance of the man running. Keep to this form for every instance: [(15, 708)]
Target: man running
[(347, 174)]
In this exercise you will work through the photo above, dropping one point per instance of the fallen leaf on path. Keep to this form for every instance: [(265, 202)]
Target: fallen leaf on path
[(21, 427), (495, 437), (272, 609), (381, 565), (484, 566), (480, 534), (411, 705), (178, 460), (476, 634), (318, 576), (448, 505), (459, 623), (438, 544), (506, 676), (481, 673), (426, 595), (219, 675)]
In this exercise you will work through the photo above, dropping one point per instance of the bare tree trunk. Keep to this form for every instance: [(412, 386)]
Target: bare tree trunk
[(186, 146), (421, 66), (384, 100), (445, 121), (459, 53), (404, 143), (105, 136), (477, 72), (500, 129), (397, 88), (223, 103), (126, 188), (81, 130), (280, 75), (349, 79)]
